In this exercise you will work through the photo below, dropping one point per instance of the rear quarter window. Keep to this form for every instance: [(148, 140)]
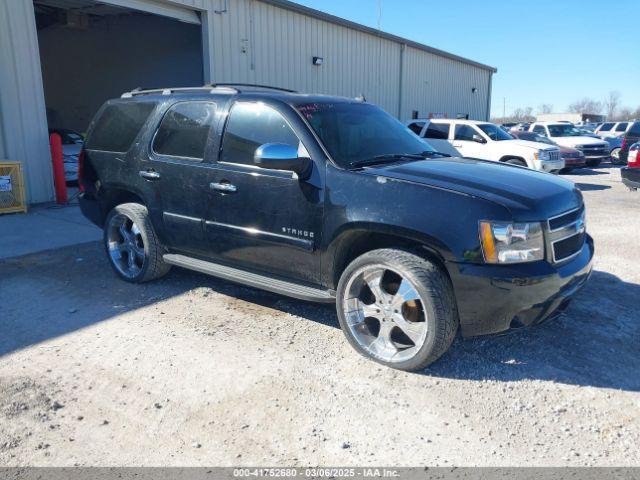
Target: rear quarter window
[(116, 127), (438, 131), (634, 130)]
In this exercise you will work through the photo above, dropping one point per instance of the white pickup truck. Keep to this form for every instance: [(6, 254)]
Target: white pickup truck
[(486, 141), (565, 134)]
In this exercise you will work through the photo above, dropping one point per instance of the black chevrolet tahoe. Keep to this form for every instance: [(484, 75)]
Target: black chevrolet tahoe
[(331, 199)]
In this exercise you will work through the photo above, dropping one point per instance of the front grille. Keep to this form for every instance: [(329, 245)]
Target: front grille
[(566, 234), (565, 219), (564, 249), (554, 155), (597, 150)]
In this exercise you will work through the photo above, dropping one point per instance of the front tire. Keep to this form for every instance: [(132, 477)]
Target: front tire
[(615, 157), (397, 308), (134, 251)]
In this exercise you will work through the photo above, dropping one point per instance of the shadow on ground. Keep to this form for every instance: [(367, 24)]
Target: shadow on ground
[(587, 187), (48, 294), (594, 344)]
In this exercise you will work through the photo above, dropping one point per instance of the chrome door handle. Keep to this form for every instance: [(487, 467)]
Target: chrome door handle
[(149, 174), (223, 187)]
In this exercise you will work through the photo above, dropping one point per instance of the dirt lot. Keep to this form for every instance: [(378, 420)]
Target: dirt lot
[(195, 371)]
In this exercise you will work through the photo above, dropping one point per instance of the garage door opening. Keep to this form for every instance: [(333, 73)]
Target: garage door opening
[(92, 51)]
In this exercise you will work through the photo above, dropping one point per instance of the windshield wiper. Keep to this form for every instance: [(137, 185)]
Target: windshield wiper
[(378, 159)]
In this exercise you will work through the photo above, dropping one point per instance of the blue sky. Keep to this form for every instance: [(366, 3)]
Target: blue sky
[(546, 51)]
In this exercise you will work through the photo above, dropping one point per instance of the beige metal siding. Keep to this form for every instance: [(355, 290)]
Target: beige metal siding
[(257, 42), (22, 108), (435, 84)]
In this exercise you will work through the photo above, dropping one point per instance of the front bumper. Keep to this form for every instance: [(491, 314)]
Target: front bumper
[(549, 167), (631, 177), (574, 162), (495, 298), (595, 159)]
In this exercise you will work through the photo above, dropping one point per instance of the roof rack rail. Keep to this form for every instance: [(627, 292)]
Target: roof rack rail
[(255, 85), (169, 91)]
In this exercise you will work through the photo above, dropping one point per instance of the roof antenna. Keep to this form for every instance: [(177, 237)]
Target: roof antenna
[(361, 98)]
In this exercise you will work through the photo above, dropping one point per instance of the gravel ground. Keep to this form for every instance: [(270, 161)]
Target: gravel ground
[(190, 370)]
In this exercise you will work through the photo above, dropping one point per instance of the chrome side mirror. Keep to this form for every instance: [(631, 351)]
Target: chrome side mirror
[(280, 156)]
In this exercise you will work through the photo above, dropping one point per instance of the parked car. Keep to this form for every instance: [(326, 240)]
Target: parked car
[(71, 145), (572, 158), (615, 145), (590, 127), (508, 125), (587, 133), (632, 136), (565, 134), (613, 129), (487, 141), (631, 173), (520, 127), (331, 199)]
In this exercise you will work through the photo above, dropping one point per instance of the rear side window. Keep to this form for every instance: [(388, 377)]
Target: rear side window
[(251, 125), (439, 131), (464, 132), (185, 129), (622, 127), (416, 127), (539, 129), (634, 130), (606, 127), (118, 125)]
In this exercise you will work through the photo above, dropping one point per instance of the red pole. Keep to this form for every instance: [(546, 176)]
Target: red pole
[(58, 168)]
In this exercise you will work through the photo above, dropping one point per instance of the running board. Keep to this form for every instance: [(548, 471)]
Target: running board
[(251, 279)]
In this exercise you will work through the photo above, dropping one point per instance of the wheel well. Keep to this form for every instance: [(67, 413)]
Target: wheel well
[(513, 157), (113, 197), (356, 243)]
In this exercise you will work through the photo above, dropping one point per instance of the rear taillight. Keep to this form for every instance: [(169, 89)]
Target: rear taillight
[(80, 170), (633, 160)]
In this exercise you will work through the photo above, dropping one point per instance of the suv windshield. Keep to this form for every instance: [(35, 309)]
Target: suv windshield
[(564, 130), (494, 132), (358, 133)]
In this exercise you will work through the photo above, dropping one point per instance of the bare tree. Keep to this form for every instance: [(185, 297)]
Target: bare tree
[(545, 108), (625, 113), (611, 104), (586, 105)]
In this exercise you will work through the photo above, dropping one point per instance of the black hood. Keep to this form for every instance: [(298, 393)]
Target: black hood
[(528, 194)]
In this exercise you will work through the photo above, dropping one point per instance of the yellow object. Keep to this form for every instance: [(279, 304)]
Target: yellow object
[(12, 197), (488, 243)]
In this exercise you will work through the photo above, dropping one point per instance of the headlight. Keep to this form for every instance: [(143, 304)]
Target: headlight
[(541, 155), (511, 242)]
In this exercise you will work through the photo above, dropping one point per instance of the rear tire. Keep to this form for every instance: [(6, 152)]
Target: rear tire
[(133, 249), (408, 317)]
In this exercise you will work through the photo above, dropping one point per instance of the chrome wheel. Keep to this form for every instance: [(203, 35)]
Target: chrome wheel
[(125, 245), (385, 314), (615, 156)]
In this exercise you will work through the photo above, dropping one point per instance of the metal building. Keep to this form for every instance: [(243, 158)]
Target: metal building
[(60, 59)]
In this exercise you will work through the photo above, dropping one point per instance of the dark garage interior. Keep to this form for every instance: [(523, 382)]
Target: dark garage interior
[(91, 51)]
